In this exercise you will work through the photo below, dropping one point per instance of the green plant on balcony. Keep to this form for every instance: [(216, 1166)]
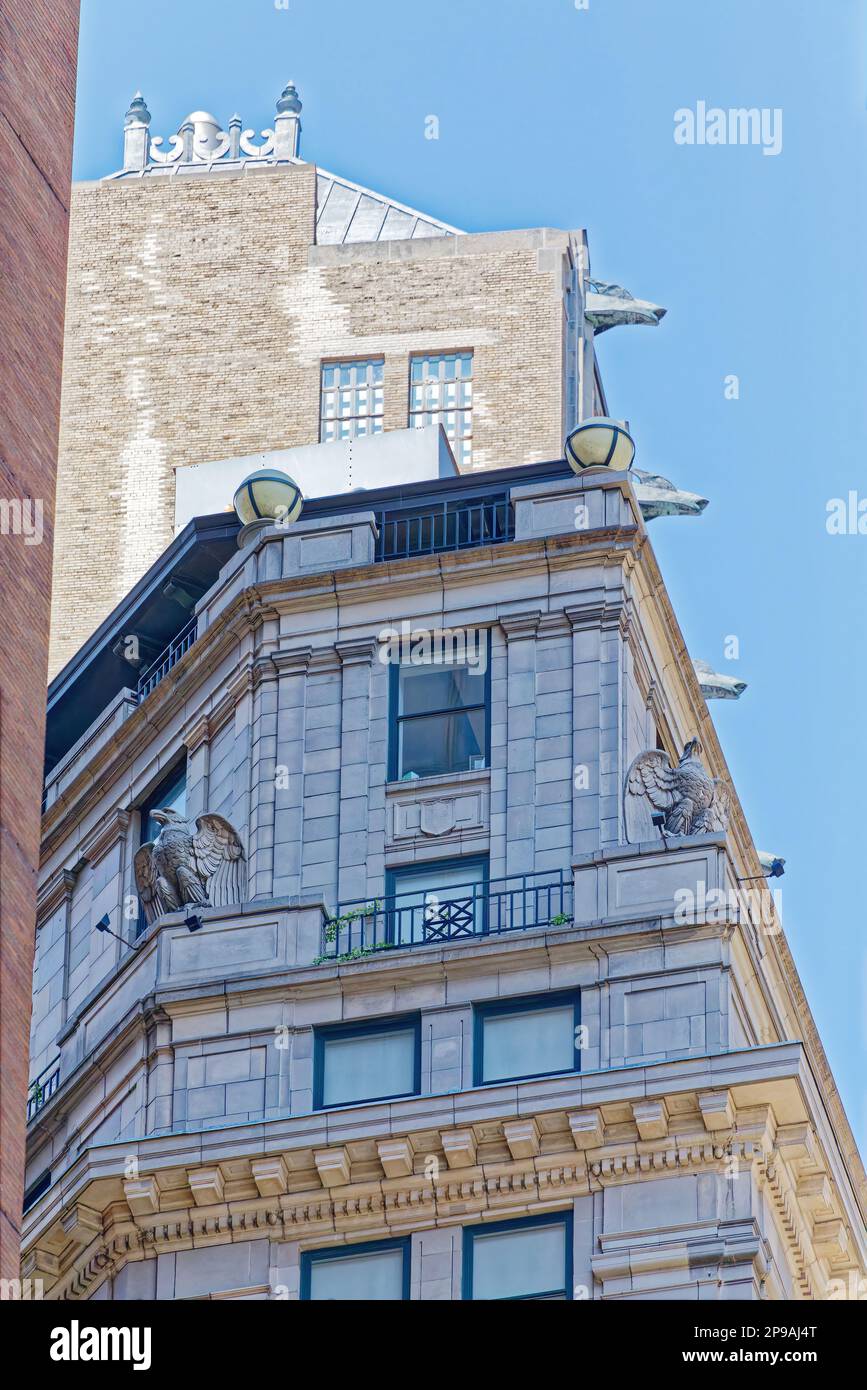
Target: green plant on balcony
[(335, 925), (561, 919), (358, 953)]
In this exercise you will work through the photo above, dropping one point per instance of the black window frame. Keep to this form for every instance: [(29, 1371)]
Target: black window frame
[(343, 1031), (145, 808), (554, 1218), (180, 769), (395, 718), (309, 1258), (529, 1003), (37, 1189)]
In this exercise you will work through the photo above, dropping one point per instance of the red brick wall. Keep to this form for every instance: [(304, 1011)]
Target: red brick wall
[(38, 44)]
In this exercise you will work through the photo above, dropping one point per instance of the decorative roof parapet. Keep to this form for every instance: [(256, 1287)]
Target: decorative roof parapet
[(345, 211), (200, 140)]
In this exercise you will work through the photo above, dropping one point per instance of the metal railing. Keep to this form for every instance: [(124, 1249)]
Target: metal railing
[(153, 674), (455, 913), (42, 1089), (485, 522)]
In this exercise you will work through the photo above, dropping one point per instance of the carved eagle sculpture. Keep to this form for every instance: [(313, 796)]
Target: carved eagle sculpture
[(691, 801), (180, 869)]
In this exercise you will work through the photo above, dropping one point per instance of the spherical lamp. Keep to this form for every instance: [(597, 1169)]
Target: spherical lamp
[(600, 443), (268, 496)]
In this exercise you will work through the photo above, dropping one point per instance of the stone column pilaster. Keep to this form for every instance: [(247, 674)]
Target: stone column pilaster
[(352, 848), (597, 722), (520, 630), (292, 668)]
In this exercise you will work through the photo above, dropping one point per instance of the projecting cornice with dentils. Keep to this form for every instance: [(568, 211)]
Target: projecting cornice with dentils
[(445, 1170)]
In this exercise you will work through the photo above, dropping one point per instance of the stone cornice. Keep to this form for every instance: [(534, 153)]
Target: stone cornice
[(54, 892), (519, 627), (610, 613), (197, 733), (430, 1177), (104, 837), (358, 653)]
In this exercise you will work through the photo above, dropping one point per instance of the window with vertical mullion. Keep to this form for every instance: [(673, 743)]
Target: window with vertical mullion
[(441, 392), (352, 402), (440, 719)]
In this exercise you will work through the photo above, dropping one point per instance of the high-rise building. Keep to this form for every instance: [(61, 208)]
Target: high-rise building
[(227, 298), (401, 932), (443, 965), (38, 43)]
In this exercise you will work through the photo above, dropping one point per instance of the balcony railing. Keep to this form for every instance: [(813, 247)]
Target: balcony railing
[(485, 522), (456, 913), (153, 674), (42, 1089)]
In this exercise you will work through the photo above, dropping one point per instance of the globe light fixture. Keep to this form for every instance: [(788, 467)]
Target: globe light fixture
[(600, 443), (267, 498)]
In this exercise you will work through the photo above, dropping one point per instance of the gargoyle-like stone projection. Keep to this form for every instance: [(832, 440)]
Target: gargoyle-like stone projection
[(658, 496), (182, 868), (690, 801), (715, 686), (609, 306)]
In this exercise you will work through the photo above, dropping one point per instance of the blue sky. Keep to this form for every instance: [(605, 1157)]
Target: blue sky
[(553, 115)]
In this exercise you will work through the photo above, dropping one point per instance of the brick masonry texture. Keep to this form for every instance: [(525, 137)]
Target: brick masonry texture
[(198, 314), (37, 90)]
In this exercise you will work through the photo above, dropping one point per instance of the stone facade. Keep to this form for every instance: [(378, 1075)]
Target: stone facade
[(200, 310), (38, 43), (699, 1150)]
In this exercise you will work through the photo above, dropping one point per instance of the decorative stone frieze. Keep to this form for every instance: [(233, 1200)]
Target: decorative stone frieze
[(520, 1180), (446, 810)]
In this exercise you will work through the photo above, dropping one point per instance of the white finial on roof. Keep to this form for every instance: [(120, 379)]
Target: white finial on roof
[(287, 124), (136, 125)]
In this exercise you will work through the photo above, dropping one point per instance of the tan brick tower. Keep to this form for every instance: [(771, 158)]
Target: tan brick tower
[(214, 283)]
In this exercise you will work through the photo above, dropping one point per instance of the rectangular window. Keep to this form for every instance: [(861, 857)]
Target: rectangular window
[(439, 719), (170, 795), (519, 1259), (437, 902), (367, 1062), (521, 1038), (378, 1270), (36, 1190), (351, 399), (441, 393)]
